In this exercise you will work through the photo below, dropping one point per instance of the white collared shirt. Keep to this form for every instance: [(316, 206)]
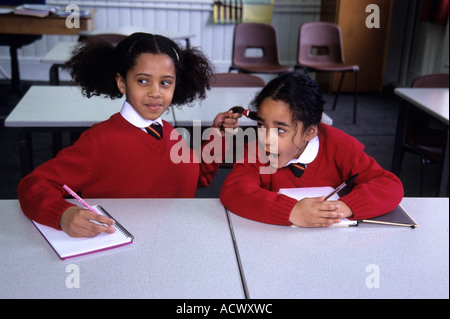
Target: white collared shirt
[(309, 153), (130, 114)]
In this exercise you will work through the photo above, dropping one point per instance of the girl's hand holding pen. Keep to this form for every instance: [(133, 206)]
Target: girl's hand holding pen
[(227, 120), (80, 222)]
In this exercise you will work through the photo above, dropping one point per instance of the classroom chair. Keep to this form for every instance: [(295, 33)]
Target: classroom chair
[(321, 49), (261, 37), (236, 80), (425, 136)]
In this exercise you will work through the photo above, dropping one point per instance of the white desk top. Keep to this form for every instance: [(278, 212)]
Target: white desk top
[(221, 99), (285, 262), (174, 35), (218, 100), (433, 101), (182, 249), (64, 106), (60, 53)]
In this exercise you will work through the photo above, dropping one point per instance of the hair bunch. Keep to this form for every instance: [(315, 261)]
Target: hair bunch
[(95, 63)]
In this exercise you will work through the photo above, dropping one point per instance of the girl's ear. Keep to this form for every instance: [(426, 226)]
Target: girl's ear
[(311, 132), (121, 83)]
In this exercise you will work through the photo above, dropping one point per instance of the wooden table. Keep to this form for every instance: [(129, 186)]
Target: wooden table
[(21, 24), (18, 30)]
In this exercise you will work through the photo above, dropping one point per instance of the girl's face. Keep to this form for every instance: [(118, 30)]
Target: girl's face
[(291, 138), (149, 85)]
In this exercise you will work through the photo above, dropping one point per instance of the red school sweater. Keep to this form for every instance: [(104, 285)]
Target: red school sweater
[(113, 159), (252, 195)]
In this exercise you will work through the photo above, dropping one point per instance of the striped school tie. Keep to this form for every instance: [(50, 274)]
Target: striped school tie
[(297, 169), (155, 130)]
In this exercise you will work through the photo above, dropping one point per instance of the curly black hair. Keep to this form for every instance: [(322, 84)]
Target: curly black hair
[(300, 92), (95, 63)]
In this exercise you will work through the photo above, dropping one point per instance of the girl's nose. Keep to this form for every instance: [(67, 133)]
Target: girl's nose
[(154, 91), (268, 137), (271, 137)]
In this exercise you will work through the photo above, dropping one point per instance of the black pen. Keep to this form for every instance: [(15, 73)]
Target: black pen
[(344, 184)]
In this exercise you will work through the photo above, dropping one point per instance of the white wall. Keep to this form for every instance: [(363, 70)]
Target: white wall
[(194, 16)]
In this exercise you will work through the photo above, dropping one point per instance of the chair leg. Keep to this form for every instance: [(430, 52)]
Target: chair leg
[(355, 96), (338, 91), (422, 177), (305, 70)]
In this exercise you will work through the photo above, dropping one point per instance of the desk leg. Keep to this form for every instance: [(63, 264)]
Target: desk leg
[(399, 136), (443, 187), (54, 74), (25, 150), (15, 75)]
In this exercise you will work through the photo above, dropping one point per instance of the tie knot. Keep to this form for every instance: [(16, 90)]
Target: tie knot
[(155, 130), (297, 169)]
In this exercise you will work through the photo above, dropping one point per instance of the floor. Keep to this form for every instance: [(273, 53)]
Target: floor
[(375, 128)]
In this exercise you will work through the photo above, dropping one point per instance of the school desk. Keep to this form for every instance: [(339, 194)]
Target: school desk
[(18, 30), (182, 249), (57, 55), (62, 51), (367, 261), (435, 103), (186, 248), (220, 99), (127, 30), (59, 109)]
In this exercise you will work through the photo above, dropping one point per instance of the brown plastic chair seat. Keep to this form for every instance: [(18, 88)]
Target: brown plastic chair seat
[(236, 80), (332, 67), (264, 68)]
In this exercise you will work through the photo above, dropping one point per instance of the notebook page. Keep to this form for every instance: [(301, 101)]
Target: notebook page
[(68, 247), (303, 192)]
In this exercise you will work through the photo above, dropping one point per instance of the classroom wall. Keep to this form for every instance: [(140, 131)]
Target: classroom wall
[(415, 48), (194, 16)]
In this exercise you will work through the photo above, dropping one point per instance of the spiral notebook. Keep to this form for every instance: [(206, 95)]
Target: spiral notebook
[(69, 247)]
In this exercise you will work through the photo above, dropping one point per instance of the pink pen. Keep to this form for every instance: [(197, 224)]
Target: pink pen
[(78, 198)]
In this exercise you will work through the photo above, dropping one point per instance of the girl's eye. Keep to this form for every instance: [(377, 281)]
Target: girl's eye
[(259, 124), (143, 81), (280, 131), (166, 83)]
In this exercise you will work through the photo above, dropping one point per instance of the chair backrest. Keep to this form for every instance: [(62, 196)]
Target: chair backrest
[(439, 80), (112, 38), (255, 35), (320, 42), (236, 80)]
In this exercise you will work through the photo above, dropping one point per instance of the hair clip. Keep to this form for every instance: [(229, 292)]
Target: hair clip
[(132, 46), (178, 58)]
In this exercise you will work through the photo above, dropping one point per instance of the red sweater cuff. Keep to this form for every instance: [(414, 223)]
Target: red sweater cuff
[(281, 209), (55, 211)]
